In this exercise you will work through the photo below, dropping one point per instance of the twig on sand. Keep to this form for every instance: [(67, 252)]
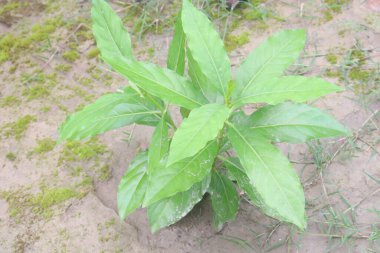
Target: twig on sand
[(329, 162), (361, 201), (59, 47)]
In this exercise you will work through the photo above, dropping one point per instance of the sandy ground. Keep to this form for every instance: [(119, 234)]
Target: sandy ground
[(57, 201)]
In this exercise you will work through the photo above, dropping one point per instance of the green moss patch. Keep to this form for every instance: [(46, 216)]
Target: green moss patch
[(12, 7), (332, 58), (44, 145), (22, 204), (334, 74), (104, 173), (36, 92), (9, 101), (336, 5), (11, 156), (358, 56), (92, 53), (358, 74), (63, 67), (232, 42), (39, 84), (333, 7), (53, 196), (71, 55), (81, 151), (18, 128), (13, 45)]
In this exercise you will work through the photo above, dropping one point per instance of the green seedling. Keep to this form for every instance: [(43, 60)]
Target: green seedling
[(218, 147)]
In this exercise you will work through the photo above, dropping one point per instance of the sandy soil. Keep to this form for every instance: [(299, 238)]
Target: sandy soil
[(56, 201)]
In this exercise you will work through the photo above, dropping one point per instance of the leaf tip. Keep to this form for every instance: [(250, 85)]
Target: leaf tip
[(185, 2), (348, 132), (122, 216), (294, 32), (154, 228), (339, 88), (301, 223), (146, 202), (304, 224)]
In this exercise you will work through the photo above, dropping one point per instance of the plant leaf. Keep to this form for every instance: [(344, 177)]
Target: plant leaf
[(224, 199), (110, 34), (295, 88), (170, 210), (271, 174), (184, 112), (109, 112), (176, 56), (161, 82), (180, 176), (202, 126), (201, 82), (206, 47), (238, 173), (295, 123), (159, 145), (269, 60), (132, 186)]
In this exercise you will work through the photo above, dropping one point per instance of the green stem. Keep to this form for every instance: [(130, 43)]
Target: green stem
[(169, 118), (147, 95), (162, 109), (222, 158)]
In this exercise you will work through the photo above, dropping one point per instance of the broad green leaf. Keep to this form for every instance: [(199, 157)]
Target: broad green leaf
[(238, 173), (206, 47), (170, 210), (160, 82), (269, 60), (159, 145), (271, 174), (109, 112), (184, 112), (110, 34), (176, 57), (202, 126), (180, 176), (224, 199), (132, 186), (296, 123), (201, 82), (294, 88)]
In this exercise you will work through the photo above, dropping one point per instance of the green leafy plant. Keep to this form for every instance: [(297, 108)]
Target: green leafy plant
[(218, 147)]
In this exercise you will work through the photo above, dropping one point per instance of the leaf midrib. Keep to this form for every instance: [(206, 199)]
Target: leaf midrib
[(198, 83), (277, 92), (162, 86), (109, 31), (259, 200), (160, 144), (262, 162), (128, 114), (181, 171), (263, 66), (291, 125), (182, 42), (225, 192), (209, 54), (138, 174), (108, 103), (205, 123)]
